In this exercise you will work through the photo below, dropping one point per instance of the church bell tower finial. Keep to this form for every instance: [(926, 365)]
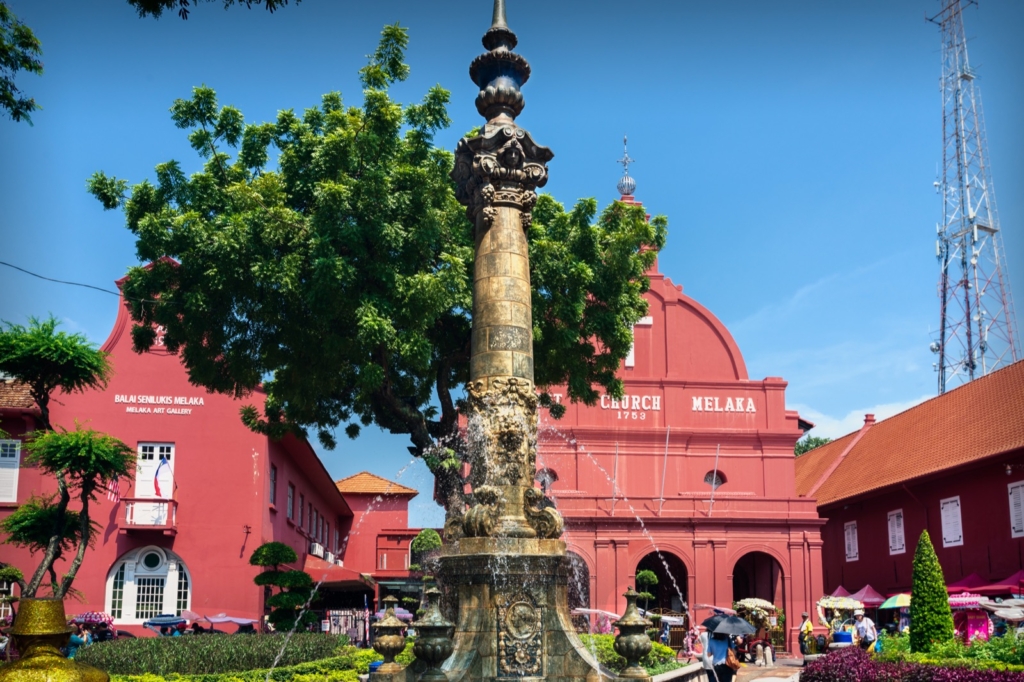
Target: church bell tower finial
[(627, 185)]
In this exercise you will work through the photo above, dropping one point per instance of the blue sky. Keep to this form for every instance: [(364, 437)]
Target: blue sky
[(792, 145)]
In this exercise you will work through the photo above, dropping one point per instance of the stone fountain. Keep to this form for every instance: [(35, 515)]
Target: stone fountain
[(503, 557)]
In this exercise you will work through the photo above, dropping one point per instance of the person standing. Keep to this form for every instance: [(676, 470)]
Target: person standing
[(718, 648), (79, 638), (865, 630), (806, 633)]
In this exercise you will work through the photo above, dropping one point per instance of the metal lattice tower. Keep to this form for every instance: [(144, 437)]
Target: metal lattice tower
[(977, 330)]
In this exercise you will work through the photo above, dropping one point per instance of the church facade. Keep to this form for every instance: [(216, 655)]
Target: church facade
[(690, 474)]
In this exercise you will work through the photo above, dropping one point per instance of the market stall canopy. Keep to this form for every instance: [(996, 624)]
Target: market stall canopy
[(596, 612), (897, 601), (869, 596), (167, 619), (841, 592), (969, 583), (841, 603), (1013, 584), (667, 620), (965, 601), (336, 576), (1013, 615), (92, 617)]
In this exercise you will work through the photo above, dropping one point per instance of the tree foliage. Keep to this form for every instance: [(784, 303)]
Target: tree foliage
[(931, 621), (645, 580), (83, 462), (19, 51), (426, 540), (340, 276), (295, 588), (47, 360), (808, 443), (156, 8)]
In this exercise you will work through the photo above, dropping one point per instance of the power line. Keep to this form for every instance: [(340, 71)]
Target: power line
[(77, 284)]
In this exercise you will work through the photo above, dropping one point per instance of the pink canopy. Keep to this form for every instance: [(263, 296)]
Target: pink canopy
[(969, 583), (1013, 583), (840, 592), (869, 596)]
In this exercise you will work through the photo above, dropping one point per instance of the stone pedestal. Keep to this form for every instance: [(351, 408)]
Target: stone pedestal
[(513, 621)]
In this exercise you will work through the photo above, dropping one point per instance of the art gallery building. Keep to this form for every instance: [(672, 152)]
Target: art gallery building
[(690, 474), (206, 492)]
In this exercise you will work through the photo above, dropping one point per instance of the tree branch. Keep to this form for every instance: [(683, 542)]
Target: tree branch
[(85, 528), (52, 552)]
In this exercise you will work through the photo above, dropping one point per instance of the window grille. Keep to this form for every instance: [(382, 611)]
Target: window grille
[(182, 592), (5, 606), (291, 501), (714, 479), (117, 593), (273, 484), (150, 599)]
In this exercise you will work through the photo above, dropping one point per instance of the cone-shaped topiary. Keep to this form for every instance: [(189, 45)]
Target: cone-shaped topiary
[(296, 587), (931, 621)]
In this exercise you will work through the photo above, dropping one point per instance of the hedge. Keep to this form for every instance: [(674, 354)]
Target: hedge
[(206, 654), (853, 665), (661, 659), (998, 653)]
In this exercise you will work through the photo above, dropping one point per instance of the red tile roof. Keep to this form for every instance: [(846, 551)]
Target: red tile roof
[(365, 483), (980, 419), (14, 394)]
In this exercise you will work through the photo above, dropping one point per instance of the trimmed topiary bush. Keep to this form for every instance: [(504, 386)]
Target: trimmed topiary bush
[(295, 588), (931, 621), (202, 654)]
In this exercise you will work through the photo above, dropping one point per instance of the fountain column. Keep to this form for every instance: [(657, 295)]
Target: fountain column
[(503, 560)]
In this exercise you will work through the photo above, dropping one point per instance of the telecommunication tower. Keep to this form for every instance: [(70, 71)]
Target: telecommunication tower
[(977, 331)]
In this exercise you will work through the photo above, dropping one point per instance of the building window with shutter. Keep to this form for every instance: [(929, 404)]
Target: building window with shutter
[(1017, 509), (6, 592), (10, 461), (952, 526), (273, 484), (897, 537), (302, 511), (852, 551), (383, 562), (291, 501)]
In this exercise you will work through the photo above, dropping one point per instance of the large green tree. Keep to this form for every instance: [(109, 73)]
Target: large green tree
[(931, 621), (19, 51), (340, 276), (156, 8)]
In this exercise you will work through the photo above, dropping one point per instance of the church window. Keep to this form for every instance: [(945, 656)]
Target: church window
[(146, 582)]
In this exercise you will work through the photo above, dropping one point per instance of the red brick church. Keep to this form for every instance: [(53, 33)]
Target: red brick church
[(690, 474)]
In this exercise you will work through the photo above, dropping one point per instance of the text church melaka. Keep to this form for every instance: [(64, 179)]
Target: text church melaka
[(689, 474)]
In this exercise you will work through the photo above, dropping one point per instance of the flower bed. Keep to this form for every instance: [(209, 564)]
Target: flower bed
[(205, 654), (853, 665)]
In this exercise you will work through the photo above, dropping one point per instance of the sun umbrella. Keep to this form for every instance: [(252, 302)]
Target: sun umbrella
[(712, 622), (168, 619), (92, 617), (897, 601), (734, 625)]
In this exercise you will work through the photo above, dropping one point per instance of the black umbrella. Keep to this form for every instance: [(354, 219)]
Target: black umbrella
[(712, 622), (734, 625)]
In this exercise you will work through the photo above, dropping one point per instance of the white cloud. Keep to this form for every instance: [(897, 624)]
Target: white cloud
[(835, 427)]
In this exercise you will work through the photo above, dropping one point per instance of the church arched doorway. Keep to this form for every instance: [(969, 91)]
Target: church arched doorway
[(757, 574), (669, 593)]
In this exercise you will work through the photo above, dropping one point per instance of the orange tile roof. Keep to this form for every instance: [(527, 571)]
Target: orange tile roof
[(14, 394), (365, 483), (980, 419)]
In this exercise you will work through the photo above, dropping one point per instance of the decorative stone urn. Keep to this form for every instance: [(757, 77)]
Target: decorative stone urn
[(434, 643), (388, 640), (632, 642), (40, 631)]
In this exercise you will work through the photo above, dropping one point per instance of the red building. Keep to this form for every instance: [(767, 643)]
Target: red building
[(206, 492), (691, 474), (953, 466)]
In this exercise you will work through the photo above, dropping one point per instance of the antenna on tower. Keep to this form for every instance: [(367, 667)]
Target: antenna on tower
[(977, 331), (626, 185)]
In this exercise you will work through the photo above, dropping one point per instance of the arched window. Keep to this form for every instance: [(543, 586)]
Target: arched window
[(147, 582), (714, 479)]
